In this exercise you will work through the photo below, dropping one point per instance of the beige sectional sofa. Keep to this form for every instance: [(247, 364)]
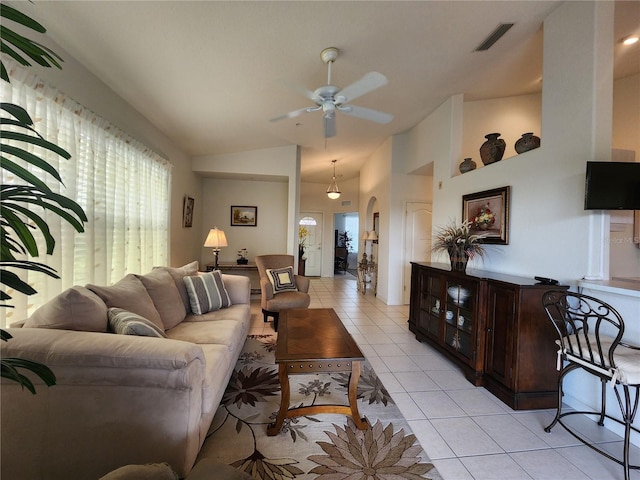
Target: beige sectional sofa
[(120, 399)]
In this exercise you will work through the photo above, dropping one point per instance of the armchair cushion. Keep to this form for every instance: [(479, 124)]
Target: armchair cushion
[(282, 279), (206, 292)]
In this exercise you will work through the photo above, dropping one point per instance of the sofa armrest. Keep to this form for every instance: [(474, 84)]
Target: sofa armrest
[(302, 283), (91, 358), (238, 287)]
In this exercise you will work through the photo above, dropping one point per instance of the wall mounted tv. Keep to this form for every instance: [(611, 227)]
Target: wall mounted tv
[(612, 186)]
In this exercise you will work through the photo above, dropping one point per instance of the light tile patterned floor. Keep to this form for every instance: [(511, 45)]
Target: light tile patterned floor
[(466, 431)]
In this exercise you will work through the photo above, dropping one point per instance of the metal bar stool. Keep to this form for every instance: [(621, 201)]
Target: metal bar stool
[(589, 338)]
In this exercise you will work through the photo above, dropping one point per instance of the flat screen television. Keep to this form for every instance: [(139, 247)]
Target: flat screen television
[(612, 186)]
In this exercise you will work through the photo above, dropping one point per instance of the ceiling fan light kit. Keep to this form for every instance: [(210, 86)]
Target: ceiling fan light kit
[(331, 99), (333, 192)]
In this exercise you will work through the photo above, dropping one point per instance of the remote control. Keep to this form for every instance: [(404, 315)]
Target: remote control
[(546, 281)]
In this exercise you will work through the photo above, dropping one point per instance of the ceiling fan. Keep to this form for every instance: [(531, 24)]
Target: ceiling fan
[(330, 98)]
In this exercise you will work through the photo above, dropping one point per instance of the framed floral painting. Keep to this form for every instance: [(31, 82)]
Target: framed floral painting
[(488, 213)]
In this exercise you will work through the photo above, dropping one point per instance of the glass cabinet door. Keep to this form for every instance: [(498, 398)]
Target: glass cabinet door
[(430, 305), (459, 318)]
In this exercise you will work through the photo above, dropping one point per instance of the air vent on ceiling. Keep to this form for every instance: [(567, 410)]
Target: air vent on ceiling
[(494, 37), (346, 203)]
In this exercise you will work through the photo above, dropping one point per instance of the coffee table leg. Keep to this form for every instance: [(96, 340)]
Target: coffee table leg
[(275, 427), (353, 396)]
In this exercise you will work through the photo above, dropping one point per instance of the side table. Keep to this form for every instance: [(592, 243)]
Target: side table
[(367, 274)]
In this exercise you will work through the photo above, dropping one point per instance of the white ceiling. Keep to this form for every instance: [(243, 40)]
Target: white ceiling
[(211, 74)]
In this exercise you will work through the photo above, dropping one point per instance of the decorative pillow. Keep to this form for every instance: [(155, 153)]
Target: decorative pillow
[(128, 323), (178, 273), (165, 295), (206, 292), (77, 308), (129, 294), (282, 279)]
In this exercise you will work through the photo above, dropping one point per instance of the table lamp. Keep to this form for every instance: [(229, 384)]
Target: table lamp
[(215, 240)]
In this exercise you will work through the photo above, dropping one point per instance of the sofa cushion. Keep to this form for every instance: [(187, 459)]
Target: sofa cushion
[(77, 308), (178, 273), (165, 295), (129, 294), (282, 279), (128, 323), (221, 332), (206, 292)]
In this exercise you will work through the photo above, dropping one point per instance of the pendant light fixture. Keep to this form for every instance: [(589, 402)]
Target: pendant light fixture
[(333, 192)]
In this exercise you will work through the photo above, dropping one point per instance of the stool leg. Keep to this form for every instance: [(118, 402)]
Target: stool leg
[(603, 401)]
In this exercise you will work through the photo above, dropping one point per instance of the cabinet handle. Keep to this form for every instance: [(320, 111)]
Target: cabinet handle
[(489, 330)]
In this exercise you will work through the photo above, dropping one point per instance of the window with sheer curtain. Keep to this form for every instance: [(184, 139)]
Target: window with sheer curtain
[(123, 186)]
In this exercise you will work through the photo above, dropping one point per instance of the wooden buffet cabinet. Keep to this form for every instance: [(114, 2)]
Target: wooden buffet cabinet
[(493, 326)]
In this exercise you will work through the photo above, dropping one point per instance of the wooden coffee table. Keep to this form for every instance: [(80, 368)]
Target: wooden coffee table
[(314, 340)]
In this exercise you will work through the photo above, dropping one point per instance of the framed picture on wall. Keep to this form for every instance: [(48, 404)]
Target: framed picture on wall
[(244, 216), (187, 212), (488, 213)]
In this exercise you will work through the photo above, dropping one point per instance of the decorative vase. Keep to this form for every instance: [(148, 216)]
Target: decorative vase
[(242, 261), (458, 258), (467, 165), (527, 142), (483, 226), (492, 150), (458, 294)]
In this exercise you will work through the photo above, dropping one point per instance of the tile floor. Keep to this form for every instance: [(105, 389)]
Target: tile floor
[(466, 431)]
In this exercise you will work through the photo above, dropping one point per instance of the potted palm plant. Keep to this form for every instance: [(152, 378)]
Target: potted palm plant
[(458, 241), (22, 205)]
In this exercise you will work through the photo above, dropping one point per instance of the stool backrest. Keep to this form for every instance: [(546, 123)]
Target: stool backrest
[(588, 328)]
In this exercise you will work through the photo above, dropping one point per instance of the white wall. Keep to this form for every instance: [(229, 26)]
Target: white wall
[(80, 84), (265, 166), (270, 234), (551, 234)]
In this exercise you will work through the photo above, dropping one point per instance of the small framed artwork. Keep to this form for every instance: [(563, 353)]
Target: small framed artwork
[(488, 213), (187, 212), (243, 216)]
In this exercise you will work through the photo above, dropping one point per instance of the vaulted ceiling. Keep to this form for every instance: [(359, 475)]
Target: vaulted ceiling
[(211, 74)]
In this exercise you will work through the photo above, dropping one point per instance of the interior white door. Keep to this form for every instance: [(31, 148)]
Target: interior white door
[(313, 250), (417, 240)]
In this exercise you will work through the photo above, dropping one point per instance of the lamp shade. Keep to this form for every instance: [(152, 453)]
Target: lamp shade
[(372, 235), (216, 238)]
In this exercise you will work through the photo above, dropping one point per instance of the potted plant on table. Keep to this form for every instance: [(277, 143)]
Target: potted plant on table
[(458, 241)]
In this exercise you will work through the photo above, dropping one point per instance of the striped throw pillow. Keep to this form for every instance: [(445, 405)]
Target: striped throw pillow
[(282, 279), (128, 323), (206, 292)]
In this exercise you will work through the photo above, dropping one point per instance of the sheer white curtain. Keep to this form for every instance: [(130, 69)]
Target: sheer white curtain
[(123, 187)]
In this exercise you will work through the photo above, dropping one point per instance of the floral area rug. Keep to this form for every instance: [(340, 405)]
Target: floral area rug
[(322, 446)]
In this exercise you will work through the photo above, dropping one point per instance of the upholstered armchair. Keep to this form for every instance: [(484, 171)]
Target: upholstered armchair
[(279, 287)]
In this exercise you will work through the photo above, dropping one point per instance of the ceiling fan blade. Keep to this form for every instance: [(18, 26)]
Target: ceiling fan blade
[(329, 123), (300, 89), (293, 114), (366, 113), (366, 84)]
